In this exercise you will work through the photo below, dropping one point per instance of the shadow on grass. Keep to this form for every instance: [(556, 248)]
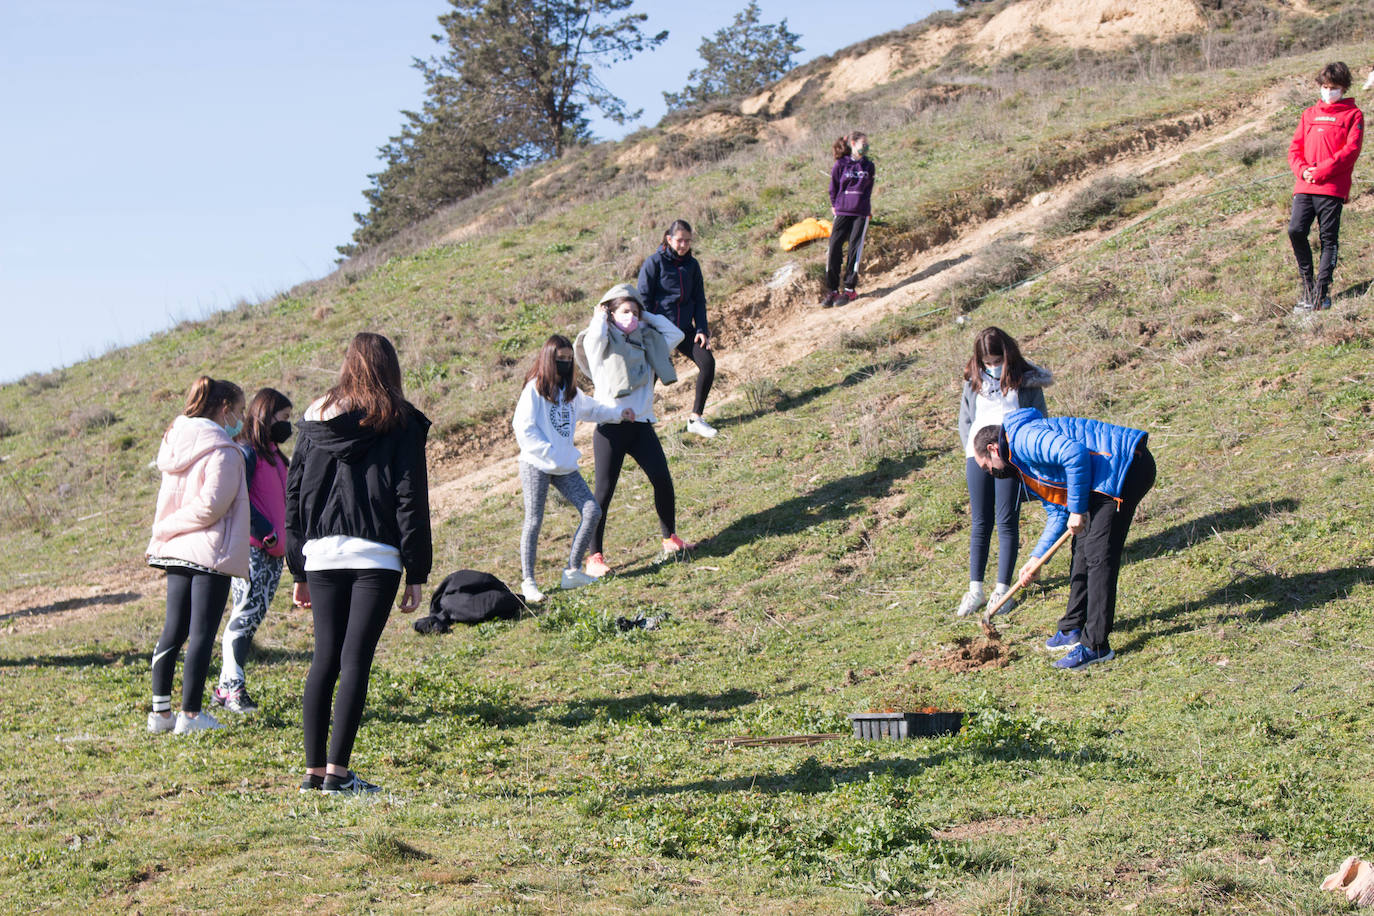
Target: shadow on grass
[(1276, 594), (650, 707), (1187, 533), (71, 604), (80, 660), (1354, 291), (802, 398), (812, 777), (924, 273), (838, 499)]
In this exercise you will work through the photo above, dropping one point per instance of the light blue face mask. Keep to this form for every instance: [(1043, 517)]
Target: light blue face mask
[(994, 371), (234, 430)]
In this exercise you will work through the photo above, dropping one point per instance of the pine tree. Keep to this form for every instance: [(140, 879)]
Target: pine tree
[(742, 58), (513, 85)]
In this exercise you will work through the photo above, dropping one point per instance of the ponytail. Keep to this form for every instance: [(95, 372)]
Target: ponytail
[(207, 395)]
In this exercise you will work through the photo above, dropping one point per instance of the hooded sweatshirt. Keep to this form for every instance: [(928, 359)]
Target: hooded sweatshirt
[(351, 481), (1328, 141), (545, 429), (851, 186), (202, 506), (623, 367)]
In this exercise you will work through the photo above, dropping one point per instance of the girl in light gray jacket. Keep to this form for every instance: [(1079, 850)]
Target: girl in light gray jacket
[(997, 380)]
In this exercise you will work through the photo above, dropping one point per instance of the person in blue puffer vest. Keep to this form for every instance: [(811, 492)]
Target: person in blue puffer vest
[(670, 284), (1091, 476)]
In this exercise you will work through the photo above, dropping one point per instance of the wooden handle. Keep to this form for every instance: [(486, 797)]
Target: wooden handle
[(1039, 562)]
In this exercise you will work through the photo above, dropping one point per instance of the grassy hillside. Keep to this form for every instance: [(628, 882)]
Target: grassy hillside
[(1221, 764)]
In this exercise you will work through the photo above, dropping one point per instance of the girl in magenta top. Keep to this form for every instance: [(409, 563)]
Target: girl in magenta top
[(266, 426)]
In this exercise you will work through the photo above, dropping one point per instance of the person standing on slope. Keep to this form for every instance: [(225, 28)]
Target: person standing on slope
[(357, 520), (625, 350), (545, 420), (1322, 157), (1091, 476), (200, 538), (997, 380), (851, 191), (670, 284), (266, 426)]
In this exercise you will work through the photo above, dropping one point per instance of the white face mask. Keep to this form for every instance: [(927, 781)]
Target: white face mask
[(1331, 95)]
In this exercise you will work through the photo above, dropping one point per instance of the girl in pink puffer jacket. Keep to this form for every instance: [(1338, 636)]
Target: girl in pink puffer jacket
[(200, 537)]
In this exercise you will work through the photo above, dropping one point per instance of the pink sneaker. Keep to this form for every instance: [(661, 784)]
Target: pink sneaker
[(675, 545), (596, 566)]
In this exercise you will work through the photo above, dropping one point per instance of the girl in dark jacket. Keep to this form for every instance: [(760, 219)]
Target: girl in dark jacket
[(670, 284), (357, 517), (997, 381)]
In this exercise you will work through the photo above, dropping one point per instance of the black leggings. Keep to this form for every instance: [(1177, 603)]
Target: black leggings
[(1326, 211), (350, 607), (610, 444), (195, 605), (706, 369)]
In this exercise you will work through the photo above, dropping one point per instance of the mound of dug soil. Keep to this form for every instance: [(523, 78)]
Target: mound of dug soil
[(968, 654)]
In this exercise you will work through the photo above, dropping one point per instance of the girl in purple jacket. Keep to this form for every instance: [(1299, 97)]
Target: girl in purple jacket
[(851, 188), (266, 426)]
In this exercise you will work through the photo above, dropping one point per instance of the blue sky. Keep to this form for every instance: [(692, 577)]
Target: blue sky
[(165, 160)]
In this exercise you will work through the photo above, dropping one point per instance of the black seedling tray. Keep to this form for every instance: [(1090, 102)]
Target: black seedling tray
[(894, 725)]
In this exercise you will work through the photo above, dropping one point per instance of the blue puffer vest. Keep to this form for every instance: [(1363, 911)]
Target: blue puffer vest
[(1063, 460)]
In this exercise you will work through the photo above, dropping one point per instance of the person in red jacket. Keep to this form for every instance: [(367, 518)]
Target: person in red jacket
[(1322, 157)]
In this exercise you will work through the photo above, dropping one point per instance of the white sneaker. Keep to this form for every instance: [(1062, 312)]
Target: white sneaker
[(158, 723), (576, 578), (531, 591), (699, 426), (997, 594), (973, 599), (201, 722)]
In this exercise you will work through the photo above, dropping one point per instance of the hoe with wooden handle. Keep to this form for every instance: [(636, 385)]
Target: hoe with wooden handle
[(985, 621)]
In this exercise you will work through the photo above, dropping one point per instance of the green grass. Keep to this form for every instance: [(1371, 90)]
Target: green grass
[(1220, 765)]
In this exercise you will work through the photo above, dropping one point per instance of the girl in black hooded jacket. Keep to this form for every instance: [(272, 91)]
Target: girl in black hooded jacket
[(670, 284), (357, 518)]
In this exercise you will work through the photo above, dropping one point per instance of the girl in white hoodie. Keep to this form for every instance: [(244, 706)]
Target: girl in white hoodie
[(200, 537), (546, 417)]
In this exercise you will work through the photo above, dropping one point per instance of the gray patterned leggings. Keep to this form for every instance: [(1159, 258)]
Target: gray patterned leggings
[(252, 596), (575, 490)]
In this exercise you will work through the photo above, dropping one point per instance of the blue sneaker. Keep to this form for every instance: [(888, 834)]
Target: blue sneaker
[(1061, 640), (1081, 656)]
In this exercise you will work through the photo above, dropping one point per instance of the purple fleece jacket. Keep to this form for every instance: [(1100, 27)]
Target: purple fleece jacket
[(851, 186)]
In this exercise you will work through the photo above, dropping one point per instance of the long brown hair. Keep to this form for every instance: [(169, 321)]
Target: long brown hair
[(993, 341), (257, 422), (207, 396), (370, 382), (544, 372), (840, 148)]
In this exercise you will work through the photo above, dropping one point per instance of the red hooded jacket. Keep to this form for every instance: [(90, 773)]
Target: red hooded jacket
[(1328, 141)]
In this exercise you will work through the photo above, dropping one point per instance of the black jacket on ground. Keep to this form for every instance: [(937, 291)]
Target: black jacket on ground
[(350, 480), (468, 596)]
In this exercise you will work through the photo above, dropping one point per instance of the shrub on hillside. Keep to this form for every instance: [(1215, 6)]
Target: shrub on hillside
[(6, 430), (1253, 149), (1103, 198), (89, 418), (1002, 265)]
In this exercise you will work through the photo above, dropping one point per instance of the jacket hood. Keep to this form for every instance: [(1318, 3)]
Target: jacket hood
[(346, 438), (189, 440), (670, 255), (1036, 377)]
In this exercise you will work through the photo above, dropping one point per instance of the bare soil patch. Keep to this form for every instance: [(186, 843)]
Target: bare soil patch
[(967, 654)]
